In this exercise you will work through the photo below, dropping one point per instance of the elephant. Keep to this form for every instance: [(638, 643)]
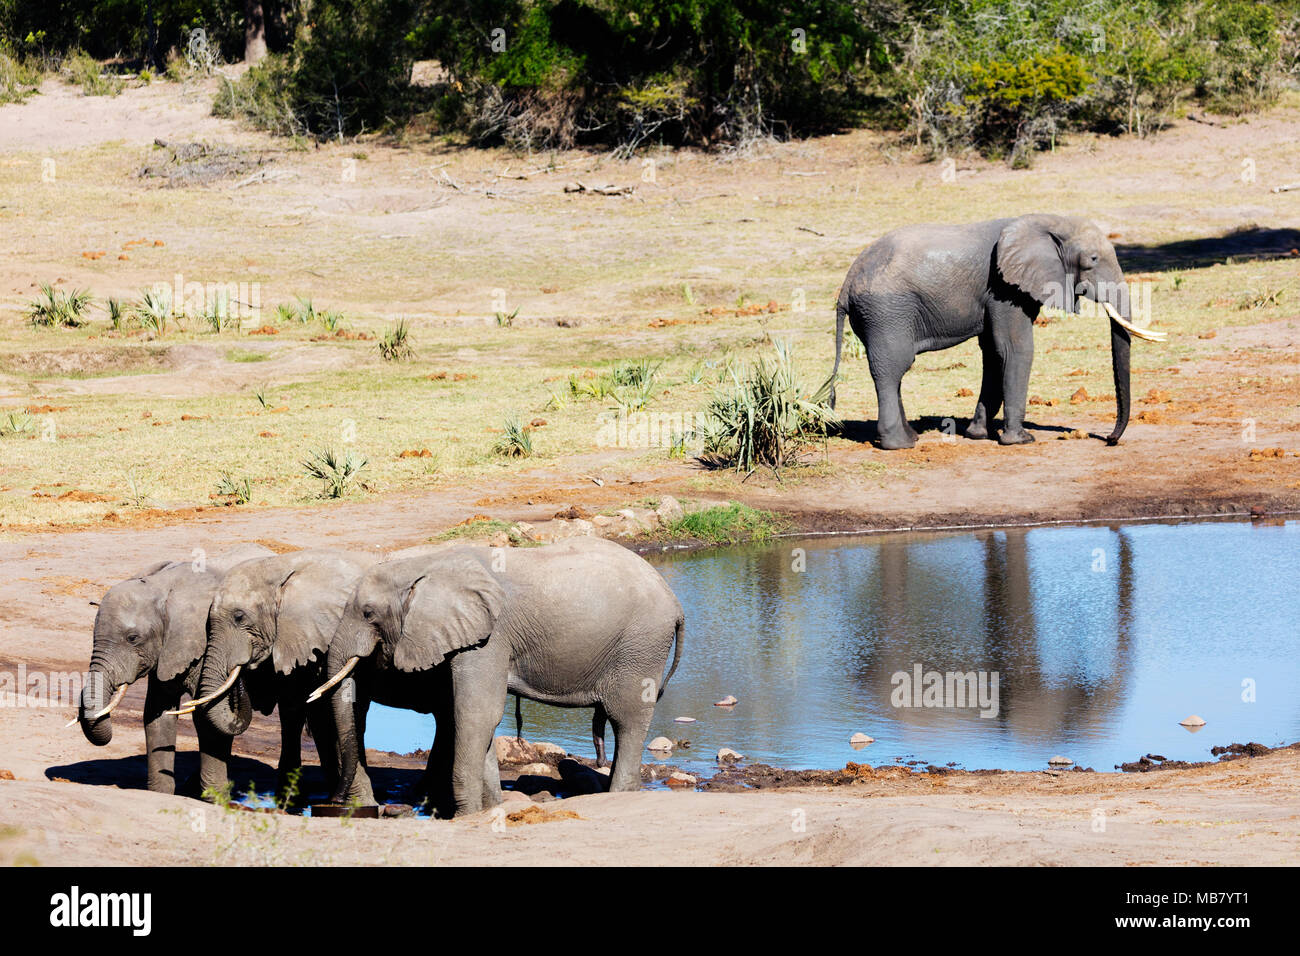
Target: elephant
[(926, 287), (579, 623), (283, 609), (154, 624)]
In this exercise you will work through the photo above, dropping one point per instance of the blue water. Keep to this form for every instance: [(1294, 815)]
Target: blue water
[(1103, 639)]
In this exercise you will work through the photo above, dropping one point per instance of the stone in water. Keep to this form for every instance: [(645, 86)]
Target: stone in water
[(727, 701), (1059, 761)]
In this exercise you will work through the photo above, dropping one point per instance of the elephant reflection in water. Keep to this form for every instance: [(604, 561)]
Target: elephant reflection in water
[(1007, 637)]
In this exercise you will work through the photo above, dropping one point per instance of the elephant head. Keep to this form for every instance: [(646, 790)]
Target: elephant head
[(283, 609), (1057, 259), (408, 614), (152, 623)]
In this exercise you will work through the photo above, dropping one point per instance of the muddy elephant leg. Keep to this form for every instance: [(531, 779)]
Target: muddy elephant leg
[(160, 735), (435, 787), (214, 757), (888, 363), (478, 700), (990, 400), (1017, 351), (631, 720)]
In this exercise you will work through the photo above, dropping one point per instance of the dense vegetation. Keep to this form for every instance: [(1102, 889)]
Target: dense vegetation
[(1003, 76)]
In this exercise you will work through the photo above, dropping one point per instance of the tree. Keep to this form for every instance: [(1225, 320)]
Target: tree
[(254, 32)]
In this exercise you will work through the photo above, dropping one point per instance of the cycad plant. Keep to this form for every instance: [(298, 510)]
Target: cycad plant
[(334, 470), (59, 308), (766, 417)]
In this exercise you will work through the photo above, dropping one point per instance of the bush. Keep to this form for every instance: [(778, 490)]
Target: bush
[(766, 417), (59, 309)]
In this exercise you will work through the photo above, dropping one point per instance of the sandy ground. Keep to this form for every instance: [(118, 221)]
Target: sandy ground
[(66, 803)]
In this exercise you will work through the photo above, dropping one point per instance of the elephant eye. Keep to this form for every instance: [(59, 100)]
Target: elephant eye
[(133, 638), (238, 615), (368, 613)]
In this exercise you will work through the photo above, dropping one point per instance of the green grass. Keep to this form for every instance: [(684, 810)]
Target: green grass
[(731, 523), (246, 355), (478, 528)]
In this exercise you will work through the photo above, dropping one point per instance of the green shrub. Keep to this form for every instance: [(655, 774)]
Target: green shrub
[(516, 441), (766, 417), (336, 472), (395, 343), (81, 69), (59, 309), (726, 524)]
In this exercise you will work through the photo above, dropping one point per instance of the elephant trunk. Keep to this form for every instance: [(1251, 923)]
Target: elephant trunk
[(1120, 343), (231, 711), (345, 725), (94, 699)]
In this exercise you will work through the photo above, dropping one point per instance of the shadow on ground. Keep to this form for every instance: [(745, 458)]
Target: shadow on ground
[(1248, 242)]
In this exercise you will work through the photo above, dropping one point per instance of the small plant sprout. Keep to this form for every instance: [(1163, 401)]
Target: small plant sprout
[(335, 471), (507, 321), (115, 314), (331, 321), (395, 345), (260, 395), (153, 310), (516, 441), (16, 423), (238, 490), (59, 309)]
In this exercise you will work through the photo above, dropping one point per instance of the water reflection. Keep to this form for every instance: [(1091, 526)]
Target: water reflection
[(1102, 639)]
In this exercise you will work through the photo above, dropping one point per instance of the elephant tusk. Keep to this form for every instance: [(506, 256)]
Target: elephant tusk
[(198, 702), (102, 712), (344, 671), (1148, 334)]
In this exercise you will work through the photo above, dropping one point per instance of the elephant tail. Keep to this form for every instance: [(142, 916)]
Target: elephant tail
[(840, 312), (677, 655), (519, 718)]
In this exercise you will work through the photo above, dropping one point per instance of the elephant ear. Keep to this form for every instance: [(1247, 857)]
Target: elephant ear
[(1029, 258), (454, 604), (185, 630), (307, 613)]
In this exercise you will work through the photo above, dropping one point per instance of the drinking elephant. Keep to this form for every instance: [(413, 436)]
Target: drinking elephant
[(582, 623), (154, 624), (282, 609), (927, 287)]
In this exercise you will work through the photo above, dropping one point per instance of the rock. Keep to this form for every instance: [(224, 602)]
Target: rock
[(499, 540), (860, 740), (538, 769), (677, 779), (604, 771), (1192, 721), (727, 701), (684, 720), (1059, 761), (581, 526), (602, 521), (6, 775), (514, 796), (727, 755), (661, 744), (547, 749), (397, 810), (627, 514), (669, 510), (513, 751)]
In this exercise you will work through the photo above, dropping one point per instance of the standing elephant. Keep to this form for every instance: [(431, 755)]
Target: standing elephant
[(155, 624), (582, 623), (283, 609), (927, 287)]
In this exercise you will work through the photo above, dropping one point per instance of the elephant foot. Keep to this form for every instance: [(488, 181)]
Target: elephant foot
[(897, 441), (976, 432), (1019, 437)]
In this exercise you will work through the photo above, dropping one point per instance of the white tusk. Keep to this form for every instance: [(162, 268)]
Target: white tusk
[(105, 711), (343, 672), (1148, 334), (200, 701)]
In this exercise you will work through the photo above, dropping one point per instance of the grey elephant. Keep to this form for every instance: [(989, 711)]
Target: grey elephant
[(280, 611), (581, 623), (154, 624), (927, 287)]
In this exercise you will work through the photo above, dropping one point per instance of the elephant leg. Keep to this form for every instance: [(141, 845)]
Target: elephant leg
[(888, 363), (479, 690), (362, 790), (160, 735), (631, 722), (990, 400), (435, 787), (321, 723), (1017, 352), (214, 757), (598, 720), (292, 717)]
